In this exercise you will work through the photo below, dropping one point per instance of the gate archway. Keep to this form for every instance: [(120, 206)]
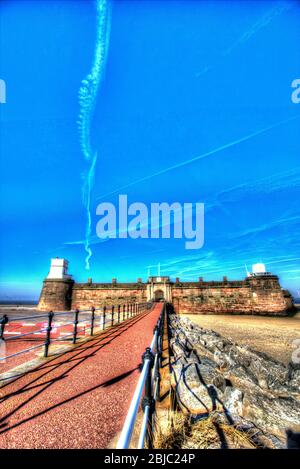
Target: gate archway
[(159, 295)]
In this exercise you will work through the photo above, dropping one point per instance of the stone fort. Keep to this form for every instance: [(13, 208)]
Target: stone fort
[(259, 293)]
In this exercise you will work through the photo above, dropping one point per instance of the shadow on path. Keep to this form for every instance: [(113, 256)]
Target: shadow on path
[(93, 345), (76, 396)]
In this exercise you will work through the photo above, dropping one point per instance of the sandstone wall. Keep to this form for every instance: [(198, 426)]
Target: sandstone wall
[(211, 299), (99, 294), (252, 296), (56, 295)]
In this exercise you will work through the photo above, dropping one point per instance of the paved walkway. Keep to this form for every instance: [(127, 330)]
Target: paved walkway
[(78, 400)]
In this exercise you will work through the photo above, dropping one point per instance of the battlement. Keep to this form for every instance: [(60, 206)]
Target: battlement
[(259, 293)]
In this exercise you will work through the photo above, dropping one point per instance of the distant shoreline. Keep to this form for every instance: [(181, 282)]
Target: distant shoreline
[(18, 302)]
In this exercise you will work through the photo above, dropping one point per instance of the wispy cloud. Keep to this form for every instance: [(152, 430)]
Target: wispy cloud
[(266, 226), (279, 181), (209, 153), (264, 20)]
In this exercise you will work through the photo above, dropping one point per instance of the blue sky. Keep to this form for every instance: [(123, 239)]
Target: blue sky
[(181, 80)]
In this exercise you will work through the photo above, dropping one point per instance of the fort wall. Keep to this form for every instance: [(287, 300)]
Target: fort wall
[(100, 294), (258, 293), (250, 296)]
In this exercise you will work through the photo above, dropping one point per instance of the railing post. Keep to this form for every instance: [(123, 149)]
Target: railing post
[(75, 325), (119, 312), (112, 315), (92, 320), (156, 329), (127, 310), (3, 321), (156, 374), (157, 379), (104, 317), (124, 306), (148, 400), (48, 333)]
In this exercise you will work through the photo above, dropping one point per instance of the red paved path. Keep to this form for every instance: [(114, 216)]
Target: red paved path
[(78, 400)]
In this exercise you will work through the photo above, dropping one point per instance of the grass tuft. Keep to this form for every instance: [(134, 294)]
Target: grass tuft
[(208, 433)]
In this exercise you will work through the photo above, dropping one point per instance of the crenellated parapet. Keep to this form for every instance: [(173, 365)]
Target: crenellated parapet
[(259, 293)]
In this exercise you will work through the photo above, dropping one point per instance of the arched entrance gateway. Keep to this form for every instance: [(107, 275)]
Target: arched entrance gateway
[(159, 289), (158, 295)]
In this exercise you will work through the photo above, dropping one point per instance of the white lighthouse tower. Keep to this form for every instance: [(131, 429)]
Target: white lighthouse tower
[(59, 269), (259, 269)]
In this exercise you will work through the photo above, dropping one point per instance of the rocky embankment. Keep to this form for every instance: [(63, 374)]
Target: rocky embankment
[(211, 374)]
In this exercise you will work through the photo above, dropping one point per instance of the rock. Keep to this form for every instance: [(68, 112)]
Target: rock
[(213, 374), (294, 378), (233, 401), (274, 415), (177, 348), (241, 364), (195, 388)]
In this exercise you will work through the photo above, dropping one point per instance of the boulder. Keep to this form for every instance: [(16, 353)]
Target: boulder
[(195, 394), (274, 415), (213, 374)]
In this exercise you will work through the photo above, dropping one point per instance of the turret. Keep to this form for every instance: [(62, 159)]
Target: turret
[(56, 293), (266, 293)]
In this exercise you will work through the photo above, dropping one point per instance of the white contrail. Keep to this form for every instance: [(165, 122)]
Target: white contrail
[(196, 158), (278, 9), (87, 99), (268, 16)]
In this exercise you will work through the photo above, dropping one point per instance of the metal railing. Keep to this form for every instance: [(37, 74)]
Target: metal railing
[(104, 317), (146, 392)]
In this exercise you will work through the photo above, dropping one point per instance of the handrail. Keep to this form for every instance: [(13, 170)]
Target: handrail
[(112, 314), (45, 315), (149, 383)]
